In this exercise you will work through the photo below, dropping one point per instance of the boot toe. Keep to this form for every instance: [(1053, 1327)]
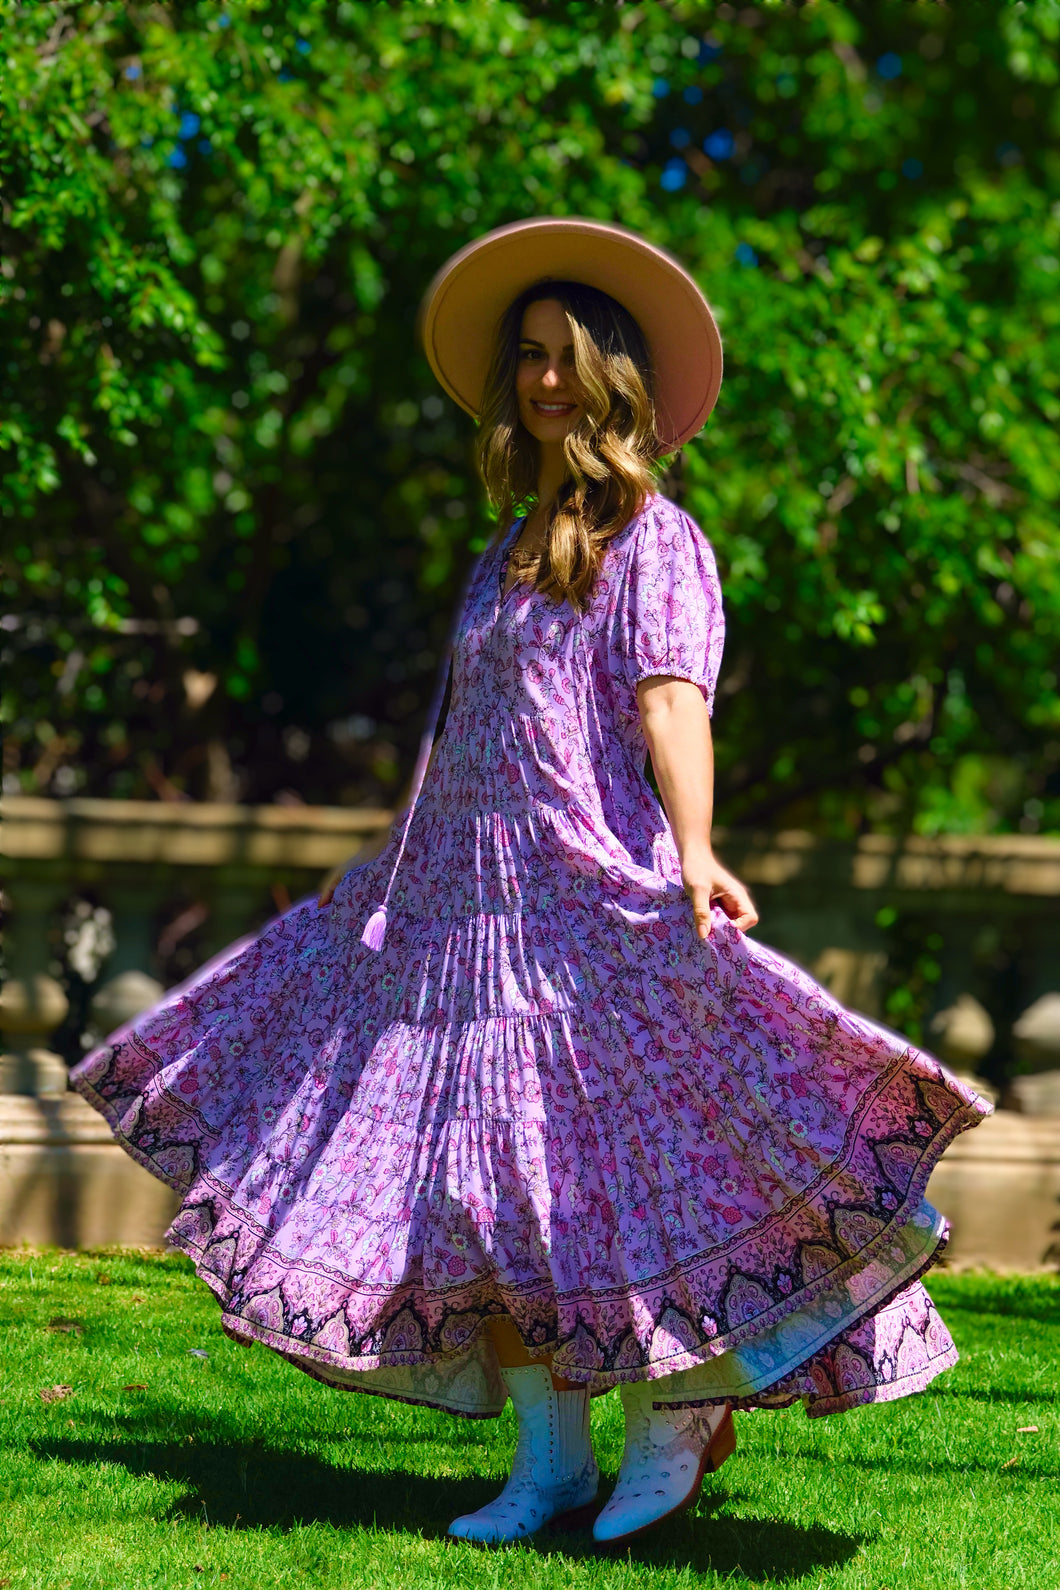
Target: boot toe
[(488, 1531)]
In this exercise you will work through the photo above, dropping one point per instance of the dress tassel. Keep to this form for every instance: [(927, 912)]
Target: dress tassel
[(375, 929)]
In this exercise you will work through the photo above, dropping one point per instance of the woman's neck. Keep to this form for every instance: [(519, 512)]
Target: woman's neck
[(551, 473)]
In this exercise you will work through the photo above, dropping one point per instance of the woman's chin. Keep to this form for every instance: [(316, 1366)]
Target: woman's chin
[(544, 430)]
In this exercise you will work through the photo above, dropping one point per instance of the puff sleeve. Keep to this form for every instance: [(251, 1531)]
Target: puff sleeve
[(669, 617)]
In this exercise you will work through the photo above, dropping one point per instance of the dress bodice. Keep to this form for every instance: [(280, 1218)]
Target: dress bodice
[(544, 710)]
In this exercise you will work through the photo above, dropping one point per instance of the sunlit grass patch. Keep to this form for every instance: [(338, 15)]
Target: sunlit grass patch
[(177, 1458)]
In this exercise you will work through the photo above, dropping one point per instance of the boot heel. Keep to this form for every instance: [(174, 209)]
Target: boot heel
[(722, 1445)]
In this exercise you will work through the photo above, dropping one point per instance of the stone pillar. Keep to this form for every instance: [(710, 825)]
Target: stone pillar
[(853, 976), (962, 1036), (1036, 1036), (133, 909), (121, 999), (32, 1003)]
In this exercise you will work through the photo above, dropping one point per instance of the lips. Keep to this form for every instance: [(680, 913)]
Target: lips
[(552, 410)]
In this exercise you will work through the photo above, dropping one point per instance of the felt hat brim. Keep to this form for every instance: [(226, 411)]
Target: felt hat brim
[(463, 306)]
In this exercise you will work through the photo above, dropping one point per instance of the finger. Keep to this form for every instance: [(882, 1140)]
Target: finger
[(326, 895), (704, 925), (728, 902), (738, 907)]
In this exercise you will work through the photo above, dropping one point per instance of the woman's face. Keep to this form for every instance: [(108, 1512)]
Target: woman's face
[(546, 386)]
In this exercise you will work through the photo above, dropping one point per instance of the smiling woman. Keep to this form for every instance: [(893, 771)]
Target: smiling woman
[(568, 429), (519, 1110)]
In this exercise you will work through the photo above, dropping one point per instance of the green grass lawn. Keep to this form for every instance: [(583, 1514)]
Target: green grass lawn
[(165, 1468)]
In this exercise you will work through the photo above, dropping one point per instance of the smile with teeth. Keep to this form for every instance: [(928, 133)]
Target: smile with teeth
[(552, 408)]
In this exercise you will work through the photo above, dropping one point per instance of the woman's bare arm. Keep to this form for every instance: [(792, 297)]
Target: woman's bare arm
[(677, 728)]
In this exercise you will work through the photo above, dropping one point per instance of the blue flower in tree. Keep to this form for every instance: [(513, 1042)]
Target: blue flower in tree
[(189, 124), (889, 66), (674, 174)]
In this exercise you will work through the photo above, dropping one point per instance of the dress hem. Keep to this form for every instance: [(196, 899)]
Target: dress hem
[(303, 1354), (762, 1397)]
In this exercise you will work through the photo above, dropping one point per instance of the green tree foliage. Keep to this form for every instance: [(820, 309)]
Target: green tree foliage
[(237, 510)]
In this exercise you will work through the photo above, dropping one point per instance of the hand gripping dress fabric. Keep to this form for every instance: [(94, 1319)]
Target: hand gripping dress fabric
[(665, 1158)]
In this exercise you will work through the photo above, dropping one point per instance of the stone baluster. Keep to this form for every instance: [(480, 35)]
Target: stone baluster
[(32, 1002), (854, 976), (1035, 1089), (1036, 1040), (962, 1035), (129, 988)]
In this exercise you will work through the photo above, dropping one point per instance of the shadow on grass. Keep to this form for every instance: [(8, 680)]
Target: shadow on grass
[(990, 1394), (714, 1540), (241, 1485)]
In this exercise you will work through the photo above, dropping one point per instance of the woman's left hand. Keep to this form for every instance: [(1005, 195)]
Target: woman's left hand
[(708, 882)]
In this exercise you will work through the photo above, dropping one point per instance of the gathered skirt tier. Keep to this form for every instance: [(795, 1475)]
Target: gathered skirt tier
[(664, 1158)]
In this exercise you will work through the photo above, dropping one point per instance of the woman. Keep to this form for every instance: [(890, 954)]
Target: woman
[(517, 1109)]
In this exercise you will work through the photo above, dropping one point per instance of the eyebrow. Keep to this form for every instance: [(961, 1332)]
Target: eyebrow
[(568, 347)]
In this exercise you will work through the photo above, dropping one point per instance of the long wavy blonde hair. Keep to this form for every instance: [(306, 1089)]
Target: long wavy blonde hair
[(610, 452)]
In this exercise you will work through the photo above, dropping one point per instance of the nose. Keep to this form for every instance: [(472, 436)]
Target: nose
[(552, 377)]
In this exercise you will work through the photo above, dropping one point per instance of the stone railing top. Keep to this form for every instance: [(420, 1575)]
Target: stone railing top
[(199, 834), (207, 834), (1010, 863)]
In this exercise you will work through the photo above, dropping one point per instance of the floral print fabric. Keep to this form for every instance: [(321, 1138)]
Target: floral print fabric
[(663, 1157)]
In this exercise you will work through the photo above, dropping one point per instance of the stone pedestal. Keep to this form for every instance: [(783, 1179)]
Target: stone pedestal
[(64, 1180), (1000, 1187)]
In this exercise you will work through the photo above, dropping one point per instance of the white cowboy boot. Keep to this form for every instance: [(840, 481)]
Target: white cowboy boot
[(554, 1471), (666, 1455)]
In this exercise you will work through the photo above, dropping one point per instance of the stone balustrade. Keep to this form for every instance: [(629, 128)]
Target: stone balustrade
[(989, 908)]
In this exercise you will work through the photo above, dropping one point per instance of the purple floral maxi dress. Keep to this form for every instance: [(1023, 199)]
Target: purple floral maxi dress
[(664, 1157)]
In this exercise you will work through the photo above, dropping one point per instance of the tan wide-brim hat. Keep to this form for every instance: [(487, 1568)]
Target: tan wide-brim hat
[(463, 306)]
